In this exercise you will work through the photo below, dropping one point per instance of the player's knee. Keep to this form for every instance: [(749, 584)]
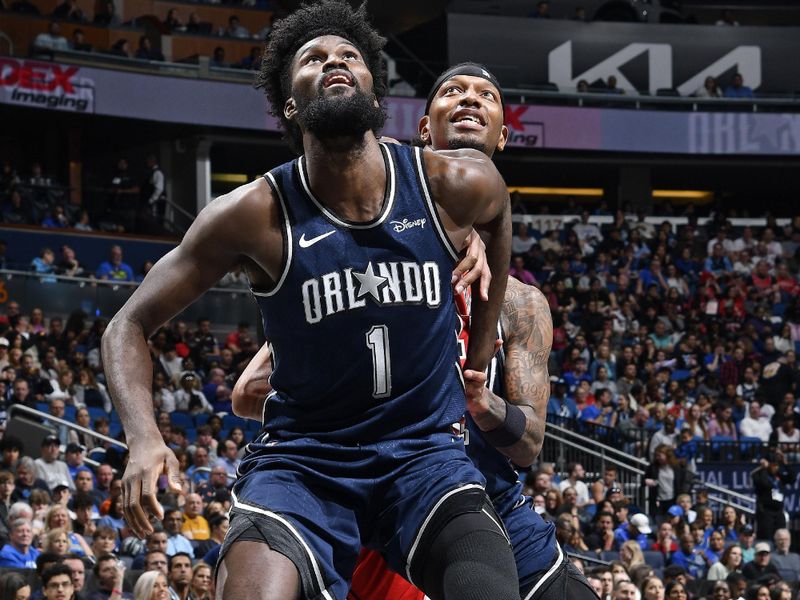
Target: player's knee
[(471, 559), (276, 577)]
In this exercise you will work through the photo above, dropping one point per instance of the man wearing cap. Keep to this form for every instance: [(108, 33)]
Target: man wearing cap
[(560, 403), (49, 468), (74, 456), (782, 558), (637, 528), (747, 541), (761, 565)]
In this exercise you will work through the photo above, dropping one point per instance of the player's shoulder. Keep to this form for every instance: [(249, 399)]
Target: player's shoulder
[(464, 159), (523, 296)]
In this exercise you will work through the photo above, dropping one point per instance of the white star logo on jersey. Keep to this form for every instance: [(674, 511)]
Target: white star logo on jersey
[(370, 283)]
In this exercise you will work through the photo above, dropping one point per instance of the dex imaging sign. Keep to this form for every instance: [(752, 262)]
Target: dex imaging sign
[(45, 85)]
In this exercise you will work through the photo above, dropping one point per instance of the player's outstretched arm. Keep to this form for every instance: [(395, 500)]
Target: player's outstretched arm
[(469, 192), (528, 329), (212, 246), (252, 387)]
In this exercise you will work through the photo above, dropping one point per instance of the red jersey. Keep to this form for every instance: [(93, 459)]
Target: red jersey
[(372, 580)]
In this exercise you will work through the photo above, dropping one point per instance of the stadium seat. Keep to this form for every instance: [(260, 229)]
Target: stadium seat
[(654, 559), (97, 454), (69, 412), (95, 412), (749, 447), (42, 406), (230, 421), (718, 442), (181, 419), (609, 555), (201, 419)]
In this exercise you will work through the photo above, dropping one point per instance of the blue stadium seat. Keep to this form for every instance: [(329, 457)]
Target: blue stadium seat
[(654, 559), (749, 447), (253, 425), (95, 412), (191, 434), (181, 419), (201, 419), (720, 442), (42, 406), (229, 421), (114, 429), (97, 454), (609, 555), (69, 412)]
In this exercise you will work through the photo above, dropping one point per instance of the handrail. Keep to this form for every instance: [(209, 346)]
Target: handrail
[(94, 281), (582, 446), (48, 417), (601, 445), (180, 209)]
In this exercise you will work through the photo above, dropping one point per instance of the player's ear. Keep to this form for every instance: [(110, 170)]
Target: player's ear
[(501, 143), (425, 129), (289, 109)]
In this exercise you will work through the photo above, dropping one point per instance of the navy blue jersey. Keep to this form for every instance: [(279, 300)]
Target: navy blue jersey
[(361, 321)]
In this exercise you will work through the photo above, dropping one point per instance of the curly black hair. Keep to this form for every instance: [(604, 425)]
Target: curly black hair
[(311, 20)]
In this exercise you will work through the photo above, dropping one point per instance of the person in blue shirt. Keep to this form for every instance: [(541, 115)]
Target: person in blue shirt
[(689, 558), (716, 545), (737, 89), (18, 553), (44, 263), (637, 528), (560, 404), (115, 269)]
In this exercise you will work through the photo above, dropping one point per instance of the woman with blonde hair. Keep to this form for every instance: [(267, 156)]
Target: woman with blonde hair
[(630, 554), (58, 517), (200, 586), (151, 585)]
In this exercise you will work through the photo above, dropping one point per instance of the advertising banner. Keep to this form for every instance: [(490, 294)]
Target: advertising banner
[(736, 477), (641, 57), (171, 99), (45, 85)]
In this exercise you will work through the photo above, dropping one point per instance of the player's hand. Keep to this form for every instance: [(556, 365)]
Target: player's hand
[(478, 400), (473, 266), (148, 459)]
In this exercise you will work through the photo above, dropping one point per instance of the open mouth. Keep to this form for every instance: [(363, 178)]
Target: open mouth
[(468, 119), (338, 77)]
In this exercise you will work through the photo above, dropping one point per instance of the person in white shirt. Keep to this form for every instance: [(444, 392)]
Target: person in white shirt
[(746, 242), (588, 233), (754, 424), (53, 471), (52, 40), (575, 480), (521, 242), (722, 239), (774, 248)]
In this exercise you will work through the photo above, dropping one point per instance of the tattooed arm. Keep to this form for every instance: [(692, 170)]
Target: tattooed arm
[(528, 331)]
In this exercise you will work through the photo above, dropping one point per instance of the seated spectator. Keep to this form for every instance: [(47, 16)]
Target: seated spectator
[(109, 574), (519, 271), (115, 269), (15, 586), (52, 40), (542, 10), (730, 561), (57, 582), (637, 529), (761, 564), (755, 425), (737, 89), (690, 558), (218, 59), (121, 47), (69, 11), (709, 89), (652, 588), (15, 212), (172, 22), (252, 62), (151, 585), (56, 219), (201, 581), (189, 398), (179, 575), (146, 50), (782, 557), (79, 43), (155, 544), (107, 15), (19, 552), (195, 527), (176, 542), (235, 29)]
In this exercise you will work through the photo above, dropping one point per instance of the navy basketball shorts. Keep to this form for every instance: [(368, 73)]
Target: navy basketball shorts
[(318, 503)]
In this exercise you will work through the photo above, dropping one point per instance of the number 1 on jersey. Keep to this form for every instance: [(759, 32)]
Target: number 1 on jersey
[(378, 342)]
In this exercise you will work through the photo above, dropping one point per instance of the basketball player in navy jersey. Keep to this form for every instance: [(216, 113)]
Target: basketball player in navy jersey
[(465, 110), (349, 251)]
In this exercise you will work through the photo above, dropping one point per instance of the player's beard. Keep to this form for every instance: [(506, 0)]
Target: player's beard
[(467, 141), (342, 116)]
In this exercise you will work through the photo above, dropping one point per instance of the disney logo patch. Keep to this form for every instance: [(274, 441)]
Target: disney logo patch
[(400, 226)]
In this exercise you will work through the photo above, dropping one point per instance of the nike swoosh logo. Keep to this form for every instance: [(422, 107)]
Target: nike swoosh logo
[(304, 243)]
